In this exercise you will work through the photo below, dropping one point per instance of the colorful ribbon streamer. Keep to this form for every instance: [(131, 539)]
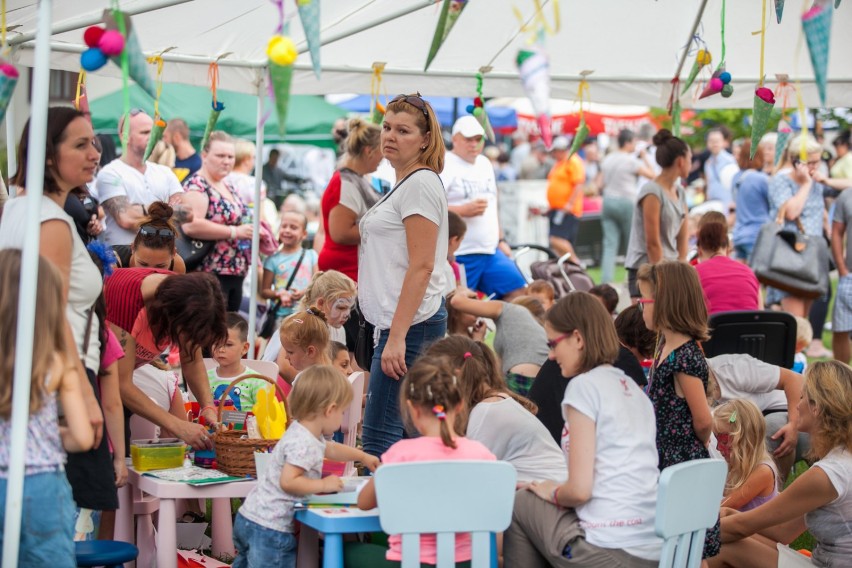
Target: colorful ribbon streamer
[(376, 87), (158, 61), (538, 24)]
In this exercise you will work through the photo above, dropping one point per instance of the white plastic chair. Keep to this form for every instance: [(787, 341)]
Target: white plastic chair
[(445, 498), (687, 505)]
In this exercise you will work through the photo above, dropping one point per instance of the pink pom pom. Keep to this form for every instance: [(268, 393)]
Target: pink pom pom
[(765, 94), (9, 71), (92, 35), (111, 43), (716, 84)]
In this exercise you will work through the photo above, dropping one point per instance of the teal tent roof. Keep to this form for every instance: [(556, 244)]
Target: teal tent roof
[(309, 117)]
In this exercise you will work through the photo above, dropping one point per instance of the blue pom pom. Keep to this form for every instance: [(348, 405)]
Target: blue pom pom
[(725, 77), (92, 59), (469, 108), (218, 106)]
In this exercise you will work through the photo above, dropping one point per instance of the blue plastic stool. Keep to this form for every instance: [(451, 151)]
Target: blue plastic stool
[(106, 553)]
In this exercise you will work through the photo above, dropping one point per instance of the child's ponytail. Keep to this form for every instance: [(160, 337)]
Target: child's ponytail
[(432, 385)]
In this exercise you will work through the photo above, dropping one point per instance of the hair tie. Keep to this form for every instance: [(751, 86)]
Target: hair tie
[(468, 355), (438, 411), (310, 311)]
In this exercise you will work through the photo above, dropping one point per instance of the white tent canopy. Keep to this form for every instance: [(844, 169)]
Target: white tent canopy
[(631, 45)]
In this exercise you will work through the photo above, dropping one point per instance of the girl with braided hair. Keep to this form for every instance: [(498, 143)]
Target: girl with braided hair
[(430, 401)]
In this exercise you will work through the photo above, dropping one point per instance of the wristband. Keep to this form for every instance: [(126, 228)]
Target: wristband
[(233, 232)]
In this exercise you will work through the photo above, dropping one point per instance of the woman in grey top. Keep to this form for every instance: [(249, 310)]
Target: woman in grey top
[(659, 226)]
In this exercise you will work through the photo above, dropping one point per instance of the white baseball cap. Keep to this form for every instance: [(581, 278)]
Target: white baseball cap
[(468, 127), (560, 143)]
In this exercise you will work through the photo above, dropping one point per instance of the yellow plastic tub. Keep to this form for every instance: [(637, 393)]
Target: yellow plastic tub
[(149, 455)]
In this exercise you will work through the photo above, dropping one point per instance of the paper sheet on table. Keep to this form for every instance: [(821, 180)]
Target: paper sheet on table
[(348, 496)]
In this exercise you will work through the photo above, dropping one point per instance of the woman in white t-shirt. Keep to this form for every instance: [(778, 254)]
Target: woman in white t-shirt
[(504, 422), (403, 244), (819, 500), (603, 514)]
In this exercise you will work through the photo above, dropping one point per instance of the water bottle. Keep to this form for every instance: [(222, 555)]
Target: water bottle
[(245, 244)]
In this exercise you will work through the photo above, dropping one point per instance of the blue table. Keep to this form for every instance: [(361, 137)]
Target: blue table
[(333, 522)]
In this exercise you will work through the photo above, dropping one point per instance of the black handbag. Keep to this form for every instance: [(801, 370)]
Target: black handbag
[(268, 327), (192, 251), (791, 260), (364, 347)]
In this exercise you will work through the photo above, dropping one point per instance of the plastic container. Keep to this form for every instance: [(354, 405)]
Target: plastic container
[(148, 455)]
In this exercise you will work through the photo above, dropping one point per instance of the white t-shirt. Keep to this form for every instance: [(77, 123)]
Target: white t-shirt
[(86, 282), (466, 182), (116, 179), (743, 376), (383, 254), (267, 504), (621, 511), (515, 435), (831, 524)]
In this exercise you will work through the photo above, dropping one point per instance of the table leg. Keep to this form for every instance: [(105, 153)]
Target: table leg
[(333, 551), (222, 531), (167, 535), (308, 555)]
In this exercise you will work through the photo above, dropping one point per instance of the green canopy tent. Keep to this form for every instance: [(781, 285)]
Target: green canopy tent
[(309, 118)]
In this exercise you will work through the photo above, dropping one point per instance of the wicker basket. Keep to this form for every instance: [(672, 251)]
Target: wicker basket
[(235, 454)]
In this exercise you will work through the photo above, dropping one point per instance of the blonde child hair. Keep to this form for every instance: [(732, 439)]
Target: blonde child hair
[(431, 384), (743, 421), (804, 333), (318, 387), (306, 328), (49, 327), (329, 285)]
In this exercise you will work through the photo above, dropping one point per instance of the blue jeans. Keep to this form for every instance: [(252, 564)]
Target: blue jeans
[(260, 547), (383, 425), (743, 251), (47, 521)]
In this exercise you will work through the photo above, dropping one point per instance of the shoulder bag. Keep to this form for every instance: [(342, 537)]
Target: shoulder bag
[(268, 327), (791, 260)]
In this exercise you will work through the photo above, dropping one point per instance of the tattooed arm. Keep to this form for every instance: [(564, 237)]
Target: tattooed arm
[(127, 215), (182, 211)]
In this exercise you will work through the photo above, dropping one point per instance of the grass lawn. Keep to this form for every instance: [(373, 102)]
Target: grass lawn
[(805, 540)]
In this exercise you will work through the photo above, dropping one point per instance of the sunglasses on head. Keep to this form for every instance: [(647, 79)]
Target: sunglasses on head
[(151, 231), (414, 100)]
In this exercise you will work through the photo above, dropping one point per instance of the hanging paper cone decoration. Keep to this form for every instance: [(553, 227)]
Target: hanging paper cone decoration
[(450, 12), (717, 83), (282, 54), (534, 69), (157, 135), (764, 102), (378, 115), (137, 63), (702, 58), (579, 137), (816, 23), (215, 111), (8, 82), (779, 9), (781, 143), (309, 13)]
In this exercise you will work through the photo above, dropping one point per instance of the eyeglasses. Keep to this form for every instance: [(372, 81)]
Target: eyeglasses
[(414, 100), (151, 231), (552, 343), (135, 111), (811, 163), (642, 301)]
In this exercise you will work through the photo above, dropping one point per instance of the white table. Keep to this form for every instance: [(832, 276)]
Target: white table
[(168, 492)]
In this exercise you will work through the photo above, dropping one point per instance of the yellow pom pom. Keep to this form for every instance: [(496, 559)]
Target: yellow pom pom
[(703, 57), (281, 50)]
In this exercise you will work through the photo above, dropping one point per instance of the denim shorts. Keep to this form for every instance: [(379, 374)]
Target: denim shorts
[(383, 425), (258, 546), (47, 523)]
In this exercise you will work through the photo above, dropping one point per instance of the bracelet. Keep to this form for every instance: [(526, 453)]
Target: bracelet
[(210, 406), (555, 496), (233, 232)]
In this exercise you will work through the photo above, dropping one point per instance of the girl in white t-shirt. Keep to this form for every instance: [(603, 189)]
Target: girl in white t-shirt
[(603, 514), (819, 500), (492, 414), (740, 432)]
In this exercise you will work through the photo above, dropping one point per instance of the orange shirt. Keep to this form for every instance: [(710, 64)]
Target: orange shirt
[(565, 180)]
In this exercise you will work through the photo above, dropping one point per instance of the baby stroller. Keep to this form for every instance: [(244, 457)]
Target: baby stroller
[(564, 273)]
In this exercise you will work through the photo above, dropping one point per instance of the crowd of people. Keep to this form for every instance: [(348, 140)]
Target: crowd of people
[(414, 285)]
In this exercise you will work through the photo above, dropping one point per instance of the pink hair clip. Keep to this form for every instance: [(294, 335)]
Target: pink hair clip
[(438, 411), (297, 320), (468, 355)]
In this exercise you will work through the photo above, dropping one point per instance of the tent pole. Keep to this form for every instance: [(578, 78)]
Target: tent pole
[(258, 208), (28, 285), (91, 20), (11, 150), (695, 25)]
